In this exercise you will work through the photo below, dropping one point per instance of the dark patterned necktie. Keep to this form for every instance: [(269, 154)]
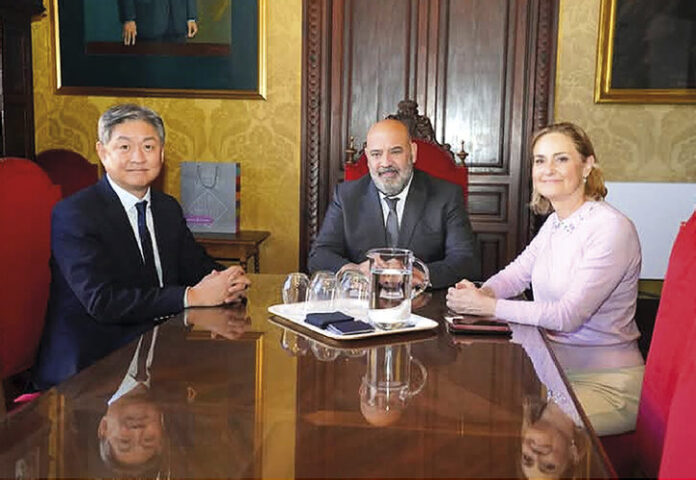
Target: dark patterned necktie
[(392, 222), (146, 243)]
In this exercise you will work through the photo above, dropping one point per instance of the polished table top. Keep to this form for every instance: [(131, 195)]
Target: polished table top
[(233, 393)]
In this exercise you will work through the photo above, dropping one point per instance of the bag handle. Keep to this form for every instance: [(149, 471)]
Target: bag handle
[(200, 177)]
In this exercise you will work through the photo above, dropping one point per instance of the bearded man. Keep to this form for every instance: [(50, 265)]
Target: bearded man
[(397, 206)]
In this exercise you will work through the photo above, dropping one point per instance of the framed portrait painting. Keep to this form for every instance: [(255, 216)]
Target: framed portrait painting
[(168, 48), (646, 52)]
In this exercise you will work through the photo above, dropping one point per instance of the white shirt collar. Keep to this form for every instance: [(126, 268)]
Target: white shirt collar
[(128, 200), (402, 195)]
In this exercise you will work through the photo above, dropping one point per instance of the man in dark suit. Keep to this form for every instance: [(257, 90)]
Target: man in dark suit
[(396, 206), (158, 20), (121, 253)]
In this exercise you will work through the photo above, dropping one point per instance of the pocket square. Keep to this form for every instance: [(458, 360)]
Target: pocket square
[(322, 319)]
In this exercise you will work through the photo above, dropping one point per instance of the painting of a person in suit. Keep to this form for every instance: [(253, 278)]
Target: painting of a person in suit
[(169, 21), (428, 216)]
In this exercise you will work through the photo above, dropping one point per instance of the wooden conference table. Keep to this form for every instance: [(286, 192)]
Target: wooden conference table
[(257, 400)]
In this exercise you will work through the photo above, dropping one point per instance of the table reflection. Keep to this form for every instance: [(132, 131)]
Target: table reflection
[(555, 443), (607, 380), (166, 406), (393, 376), (237, 393), (553, 446)]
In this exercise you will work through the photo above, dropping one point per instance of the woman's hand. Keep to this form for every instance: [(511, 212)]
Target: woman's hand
[(466, 298)]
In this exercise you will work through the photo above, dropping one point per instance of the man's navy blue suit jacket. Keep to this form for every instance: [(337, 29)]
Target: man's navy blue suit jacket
[(99, 283)]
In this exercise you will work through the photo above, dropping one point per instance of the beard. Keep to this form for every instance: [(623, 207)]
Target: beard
[(392, 186)]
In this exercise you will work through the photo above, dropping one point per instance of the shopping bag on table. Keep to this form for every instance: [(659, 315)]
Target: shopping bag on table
[(210, 196)]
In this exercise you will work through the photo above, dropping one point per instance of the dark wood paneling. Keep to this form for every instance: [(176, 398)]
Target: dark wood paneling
[(16, 90), (475, 101), (493, 249), (488, 202)]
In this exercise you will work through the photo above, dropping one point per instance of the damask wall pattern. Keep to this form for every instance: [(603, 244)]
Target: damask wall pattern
[(262, 135), (635, 142)]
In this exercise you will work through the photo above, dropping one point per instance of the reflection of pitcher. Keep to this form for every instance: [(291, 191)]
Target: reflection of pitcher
[(387, 386), (391, 272)]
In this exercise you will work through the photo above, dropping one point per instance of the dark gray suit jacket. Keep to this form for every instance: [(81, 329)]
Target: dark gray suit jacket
[(434, 226)]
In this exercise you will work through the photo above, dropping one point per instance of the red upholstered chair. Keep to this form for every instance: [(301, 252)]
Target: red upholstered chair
[(27, 197), (670, 353), (430, 158), (68, 169), (678, 455)]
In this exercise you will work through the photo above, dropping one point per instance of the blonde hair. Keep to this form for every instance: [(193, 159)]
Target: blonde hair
[(594, 184)]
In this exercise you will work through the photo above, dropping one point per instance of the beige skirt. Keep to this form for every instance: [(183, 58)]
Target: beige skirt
[(609, 397)]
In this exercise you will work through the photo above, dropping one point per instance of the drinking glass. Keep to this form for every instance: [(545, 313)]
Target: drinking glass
[(324, 353), (295, 288), (294, 343), (321, 293), (353, 293)]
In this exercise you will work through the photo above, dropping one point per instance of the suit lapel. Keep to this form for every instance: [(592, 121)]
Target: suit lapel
[(413, 210), (371, 211), (117, 218)]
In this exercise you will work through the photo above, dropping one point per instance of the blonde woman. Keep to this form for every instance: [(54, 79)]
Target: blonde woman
[(583, 267)]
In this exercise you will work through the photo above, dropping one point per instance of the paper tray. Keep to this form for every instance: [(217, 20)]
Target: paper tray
[(294, 312)]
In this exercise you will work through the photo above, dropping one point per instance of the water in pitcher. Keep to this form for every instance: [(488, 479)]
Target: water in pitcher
[(390, 298)]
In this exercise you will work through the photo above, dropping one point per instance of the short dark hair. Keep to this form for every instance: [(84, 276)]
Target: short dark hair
[(126, 112)]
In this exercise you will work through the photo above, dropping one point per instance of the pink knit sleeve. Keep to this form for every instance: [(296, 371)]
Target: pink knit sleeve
[(609, 253), (516, 277)]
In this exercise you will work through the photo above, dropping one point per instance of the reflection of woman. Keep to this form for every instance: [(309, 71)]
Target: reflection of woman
[(583, 266), (552, 445)]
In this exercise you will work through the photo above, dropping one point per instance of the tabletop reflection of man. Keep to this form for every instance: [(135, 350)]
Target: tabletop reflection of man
[(131, 432)]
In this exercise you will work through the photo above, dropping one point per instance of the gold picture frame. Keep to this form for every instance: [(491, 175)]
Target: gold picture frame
[(106, 67), (629, 73)]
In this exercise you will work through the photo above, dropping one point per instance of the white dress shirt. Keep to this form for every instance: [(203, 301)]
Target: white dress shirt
[(399, 205), (129, 381), (128, 200)]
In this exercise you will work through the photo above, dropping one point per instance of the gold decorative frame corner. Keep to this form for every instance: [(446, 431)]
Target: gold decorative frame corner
[(258, 94), (603, 91)]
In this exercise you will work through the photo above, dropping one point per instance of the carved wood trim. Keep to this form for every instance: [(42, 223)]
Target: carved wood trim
[(543, 101), (314, 64), (545, 65)]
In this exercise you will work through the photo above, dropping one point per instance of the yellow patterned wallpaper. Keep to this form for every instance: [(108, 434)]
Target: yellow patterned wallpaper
[(263, 136), (641, 142)]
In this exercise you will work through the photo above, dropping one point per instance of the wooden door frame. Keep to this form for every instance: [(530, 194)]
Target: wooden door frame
[(316, 107)]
